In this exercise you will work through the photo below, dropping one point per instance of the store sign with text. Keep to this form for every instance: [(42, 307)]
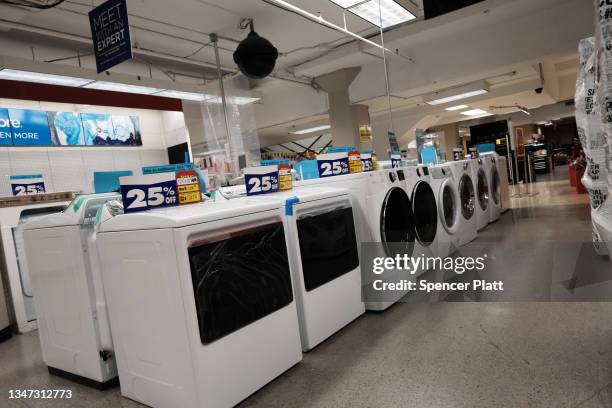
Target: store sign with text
[(261, 180), (110, 32), (27, 184), (142, 193)]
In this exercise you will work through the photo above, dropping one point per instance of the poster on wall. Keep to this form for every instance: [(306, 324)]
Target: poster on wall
[(66, 129), (30, 127), (98, 128), (126, 130), (6, 136)]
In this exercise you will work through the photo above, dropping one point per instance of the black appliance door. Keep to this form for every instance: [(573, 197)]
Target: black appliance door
[(495, 186), (425, 212), (239, 279), (467, 197), (483, 190), (449, 206), (397, 223), (328, 246)]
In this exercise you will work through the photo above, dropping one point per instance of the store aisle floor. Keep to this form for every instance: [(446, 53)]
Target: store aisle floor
[(440, 354)]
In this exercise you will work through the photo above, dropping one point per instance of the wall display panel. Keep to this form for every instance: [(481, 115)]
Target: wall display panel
[(98, 129), (66, 129), (30, 127), (126, 130), (6, 136)]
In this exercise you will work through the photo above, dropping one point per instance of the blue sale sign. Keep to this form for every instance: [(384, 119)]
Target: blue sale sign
[(110, 32), (141, 193), (27, 184), (261, 180), (6, 135), (333, 164), (30, 127)]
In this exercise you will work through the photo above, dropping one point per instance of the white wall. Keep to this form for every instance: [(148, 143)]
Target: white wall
[(72, 168)]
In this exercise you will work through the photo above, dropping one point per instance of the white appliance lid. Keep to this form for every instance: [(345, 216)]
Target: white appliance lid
[(176, 217), (306, 194)]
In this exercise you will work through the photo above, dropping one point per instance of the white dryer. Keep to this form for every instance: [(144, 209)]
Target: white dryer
[(495, 194), (424, 210), (449, 209), (323, 251), (200, 301), (502, 168), (73, 326), (462, 172), (481, 184)]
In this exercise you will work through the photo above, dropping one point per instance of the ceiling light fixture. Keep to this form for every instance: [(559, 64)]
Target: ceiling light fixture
[(456, 108), (474, 112), (117, 87), (389, 12), (456, 94), (40, 78), (189, 96), (311, 130)]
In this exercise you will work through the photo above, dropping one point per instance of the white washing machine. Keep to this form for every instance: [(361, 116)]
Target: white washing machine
[(462, 172), (502, 168), (200, 300), (449, 209), (5, 324), (20, 302), (392, 226), (324, 258), (481, 185), (73, 326), (495, 197)]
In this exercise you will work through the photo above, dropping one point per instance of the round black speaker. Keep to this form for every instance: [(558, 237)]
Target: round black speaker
[(255, 56)]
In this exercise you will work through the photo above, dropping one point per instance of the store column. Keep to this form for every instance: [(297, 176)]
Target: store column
[(345, 118)]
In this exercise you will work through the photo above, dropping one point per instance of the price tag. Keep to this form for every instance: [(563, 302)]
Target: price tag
[(141, 193), (189, 188), (367, 162), (261, 180), (396, 161), (333, 164), (31, 184), (355, 165), (284, 174)]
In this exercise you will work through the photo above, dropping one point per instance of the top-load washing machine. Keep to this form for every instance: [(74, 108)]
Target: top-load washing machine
[(449, 208), (462, 172), (391, 223), (73, 326), (200, 300), (425, 212), (495, 195), (502, 168), (481, 183), (320, 231)]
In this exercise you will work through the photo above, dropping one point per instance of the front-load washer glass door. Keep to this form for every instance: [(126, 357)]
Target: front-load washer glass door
[(495, 186), (239, 278), (328, 245), (467, 197), (483, 190), (397, 223), (448, 206), (425, 212)]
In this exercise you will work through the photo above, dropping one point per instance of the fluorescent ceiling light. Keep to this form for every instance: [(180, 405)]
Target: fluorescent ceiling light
[(474, 112), (117, 87), (25, 76), (484, 115), (231, 100), (456, 108), (457, 97), (389, 12), (190, 96), (311, 130)]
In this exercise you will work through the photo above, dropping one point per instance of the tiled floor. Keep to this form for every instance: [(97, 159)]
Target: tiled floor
[(460, 354)]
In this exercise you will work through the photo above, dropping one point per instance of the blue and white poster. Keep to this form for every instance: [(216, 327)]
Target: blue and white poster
[(30, 127), (126, 130), (110, 32), (66, 129), (6, 135), (98, 128)]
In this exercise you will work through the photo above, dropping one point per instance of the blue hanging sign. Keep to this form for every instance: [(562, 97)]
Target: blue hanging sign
[(110, 32)]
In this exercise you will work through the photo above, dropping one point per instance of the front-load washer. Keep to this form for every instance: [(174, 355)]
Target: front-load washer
[(449, 208), (462, 172), (502, 168), (392, 227), (481, 183), (495, 194), (320, 232), (200, 301), (73, 326)]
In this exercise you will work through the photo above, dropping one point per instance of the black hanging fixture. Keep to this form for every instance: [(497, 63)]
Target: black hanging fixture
[(255, 56)]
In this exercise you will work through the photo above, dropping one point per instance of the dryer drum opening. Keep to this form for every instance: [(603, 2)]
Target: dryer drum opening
[(425, 212), (483, 190), (397, 222), (449, 206), (496, 185), (468, 198)]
